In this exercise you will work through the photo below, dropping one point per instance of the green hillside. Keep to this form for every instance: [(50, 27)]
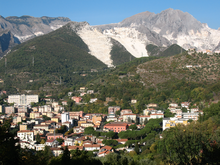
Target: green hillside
[(119, 54), (160, 80), (61, 53), (172, 50)]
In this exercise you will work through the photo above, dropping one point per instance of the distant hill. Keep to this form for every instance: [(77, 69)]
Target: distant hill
[(26, 27), (61, 53), (154, 50)]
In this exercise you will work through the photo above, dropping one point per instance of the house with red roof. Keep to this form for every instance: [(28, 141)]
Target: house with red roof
[(116, 126), (105, 151)]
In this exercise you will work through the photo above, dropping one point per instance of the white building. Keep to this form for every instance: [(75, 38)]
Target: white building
[(172, 122), (26, 135), (65, 117), (23, 99)]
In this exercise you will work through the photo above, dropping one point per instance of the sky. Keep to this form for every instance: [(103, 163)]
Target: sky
[(98, 12)]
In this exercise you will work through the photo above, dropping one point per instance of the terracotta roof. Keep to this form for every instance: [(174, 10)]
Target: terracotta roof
[(122, 140), (93, 145), (107, 148), (75, 147), (116, 124), (25, 131)]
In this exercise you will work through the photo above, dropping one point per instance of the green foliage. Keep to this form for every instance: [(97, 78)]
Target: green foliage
[(172, 50), (191, 144), (46, 118), (110, 142), (119, 54), (8, 147), (59, 53), (133, 127)]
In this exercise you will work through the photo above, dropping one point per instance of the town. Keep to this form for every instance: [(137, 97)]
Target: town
[(51, 125)]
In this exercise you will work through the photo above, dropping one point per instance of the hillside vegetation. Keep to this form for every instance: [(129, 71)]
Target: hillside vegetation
[(46, 59), (158, 80)]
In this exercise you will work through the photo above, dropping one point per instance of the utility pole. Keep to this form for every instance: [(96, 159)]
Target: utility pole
[(60, 80)]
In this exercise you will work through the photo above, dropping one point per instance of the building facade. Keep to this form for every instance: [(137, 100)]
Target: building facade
[(23, 99)]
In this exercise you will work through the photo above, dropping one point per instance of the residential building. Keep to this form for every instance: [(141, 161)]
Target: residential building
[(51, 136), (130, 117), (75, 147), (23, 99), (87, 125), (55, 119), (172, 122), (152, 105), (143, 118), (78, 129), (90, 91), (185, 105), (52, 143), (91, 147), (93, 100), (116, 126), (97, 120), (45, 108), (45, 127), (126, 111), (22, 127), (65, 117), (9, 110), (105, 151), (133, 101), (113, 109), (26, 135), (69, 141), (40, 147), (34, 115)]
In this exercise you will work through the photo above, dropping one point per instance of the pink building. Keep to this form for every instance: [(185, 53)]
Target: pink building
[(51, 136), (116, 126)]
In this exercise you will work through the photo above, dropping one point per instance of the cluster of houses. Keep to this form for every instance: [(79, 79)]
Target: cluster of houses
[(32, 123), (209, 52), (180, 116)]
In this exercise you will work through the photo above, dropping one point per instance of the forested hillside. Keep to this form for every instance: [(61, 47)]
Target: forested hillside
[(47, 59)]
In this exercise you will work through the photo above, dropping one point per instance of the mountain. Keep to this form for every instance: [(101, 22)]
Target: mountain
[(162, 29), (45, 59), (26, 27)]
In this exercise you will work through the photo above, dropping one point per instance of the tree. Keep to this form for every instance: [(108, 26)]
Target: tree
[(136, 148), (118, 113), (88, 130), (8, 147), (133, 127), (145, 121), (38, 139), (66, 156)]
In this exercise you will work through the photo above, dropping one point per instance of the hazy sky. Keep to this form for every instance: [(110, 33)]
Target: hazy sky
[(97, 12)]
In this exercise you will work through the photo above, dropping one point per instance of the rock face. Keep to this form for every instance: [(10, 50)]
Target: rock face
[(27, 27), (167, 28)]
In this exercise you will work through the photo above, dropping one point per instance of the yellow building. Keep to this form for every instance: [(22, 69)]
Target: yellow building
[(87, 125), (81, 122), (23, 127), (96, 120), (55, 119), (172, 122)]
